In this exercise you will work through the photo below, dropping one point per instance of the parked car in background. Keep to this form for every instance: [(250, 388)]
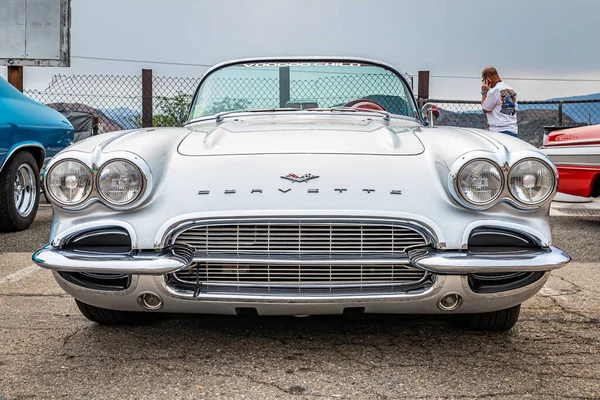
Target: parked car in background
[(85, 124), (576, 153), (30, 134), (260, 204)]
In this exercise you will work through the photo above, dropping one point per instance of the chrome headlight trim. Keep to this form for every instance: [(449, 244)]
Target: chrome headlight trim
[(505, 161), (94, 163), (132, 201), (462, 169), (48, 173), (550, 195)]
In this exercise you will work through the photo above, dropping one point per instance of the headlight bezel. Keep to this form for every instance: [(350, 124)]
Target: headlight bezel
[(104, 198), (469, 201), (549, 195), (94, 163), (506, 162), (47, 189)]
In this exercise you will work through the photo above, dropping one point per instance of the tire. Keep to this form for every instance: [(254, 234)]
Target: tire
[(501, 320), (21, 171), (105, 316)]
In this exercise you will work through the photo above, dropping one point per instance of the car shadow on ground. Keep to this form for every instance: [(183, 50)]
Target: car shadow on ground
[(188, 335)]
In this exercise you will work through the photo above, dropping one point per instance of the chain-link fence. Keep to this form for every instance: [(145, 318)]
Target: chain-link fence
[(231, 93), (118, 101), (115, 100), (172, 97), (532, 116)]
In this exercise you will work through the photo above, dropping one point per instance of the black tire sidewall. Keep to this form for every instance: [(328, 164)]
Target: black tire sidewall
[(10, 219), (105, 316)]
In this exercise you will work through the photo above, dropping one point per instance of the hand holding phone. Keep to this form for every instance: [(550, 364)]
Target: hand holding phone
[(486, 84)]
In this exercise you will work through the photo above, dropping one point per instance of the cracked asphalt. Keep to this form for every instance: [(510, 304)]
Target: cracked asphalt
[(48, 350)]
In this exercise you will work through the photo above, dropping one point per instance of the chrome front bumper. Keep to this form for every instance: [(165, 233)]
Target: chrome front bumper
[(450, 268), (177, 258)]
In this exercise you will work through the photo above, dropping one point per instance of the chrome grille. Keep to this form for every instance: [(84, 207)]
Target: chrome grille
[(309, 256), (305, 274), (302, 238)]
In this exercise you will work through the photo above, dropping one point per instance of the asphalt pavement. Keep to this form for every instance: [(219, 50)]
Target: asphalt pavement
[(48, 350)]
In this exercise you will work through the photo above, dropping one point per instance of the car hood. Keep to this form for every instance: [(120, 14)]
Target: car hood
[(297, 135)]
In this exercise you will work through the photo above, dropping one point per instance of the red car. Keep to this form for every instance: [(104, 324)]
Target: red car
[(576, 153)]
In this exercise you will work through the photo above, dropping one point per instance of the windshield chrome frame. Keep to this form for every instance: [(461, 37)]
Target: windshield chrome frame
[(372, 62)]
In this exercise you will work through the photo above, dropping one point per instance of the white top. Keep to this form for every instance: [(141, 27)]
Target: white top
[(501, 106)]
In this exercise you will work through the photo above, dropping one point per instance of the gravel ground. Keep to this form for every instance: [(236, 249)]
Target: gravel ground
[(48, 350)]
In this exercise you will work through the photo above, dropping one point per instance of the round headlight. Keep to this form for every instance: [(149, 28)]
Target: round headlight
[(69, 182), (120, 182), (480, 182), (531, 181)]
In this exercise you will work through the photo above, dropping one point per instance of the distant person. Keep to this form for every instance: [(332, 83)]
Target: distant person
[(499, 103)]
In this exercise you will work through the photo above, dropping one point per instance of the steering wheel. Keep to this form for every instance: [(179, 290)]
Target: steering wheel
[(365, 105)]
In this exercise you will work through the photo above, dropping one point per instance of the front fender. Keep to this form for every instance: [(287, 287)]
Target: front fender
[(21, 146)]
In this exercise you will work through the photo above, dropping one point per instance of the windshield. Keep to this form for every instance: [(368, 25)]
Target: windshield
[(301, 85)]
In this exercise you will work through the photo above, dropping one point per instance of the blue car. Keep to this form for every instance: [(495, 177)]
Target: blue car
[(30, 134)]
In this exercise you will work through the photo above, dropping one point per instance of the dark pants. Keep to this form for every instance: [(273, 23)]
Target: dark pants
[(510, 133)]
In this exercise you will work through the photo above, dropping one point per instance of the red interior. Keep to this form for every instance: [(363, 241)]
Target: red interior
[(365, 105)]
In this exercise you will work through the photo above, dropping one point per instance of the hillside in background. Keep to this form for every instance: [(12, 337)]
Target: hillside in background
[(531, 121), (592, 96), (532, 117), (583, 113), (126, 117)]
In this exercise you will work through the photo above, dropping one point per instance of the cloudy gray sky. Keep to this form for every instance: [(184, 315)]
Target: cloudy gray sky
[(451, 38)]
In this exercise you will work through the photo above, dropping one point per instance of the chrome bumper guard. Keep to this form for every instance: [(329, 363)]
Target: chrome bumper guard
[(138, 262), (464, 262), (175, 258)]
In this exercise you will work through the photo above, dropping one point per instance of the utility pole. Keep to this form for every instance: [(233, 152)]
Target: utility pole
[(423, 90), (15, 76)]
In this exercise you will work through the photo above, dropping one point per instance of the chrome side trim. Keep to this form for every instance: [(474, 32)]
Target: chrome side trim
[(464, 262), (140, 262), (586, 165), (573, 143)]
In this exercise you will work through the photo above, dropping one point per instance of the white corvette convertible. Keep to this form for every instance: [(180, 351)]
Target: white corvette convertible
[(302, 186)]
